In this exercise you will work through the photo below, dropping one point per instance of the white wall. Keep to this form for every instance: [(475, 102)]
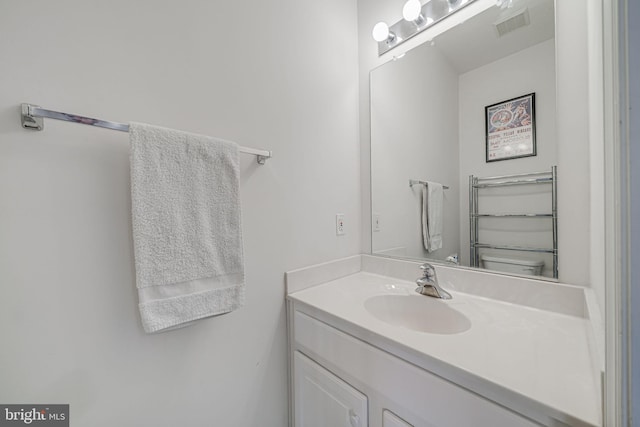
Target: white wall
[(413, 137), (596, 148), (528, 71), (634, 202), (581, 141), (262, 73), (572, 83)]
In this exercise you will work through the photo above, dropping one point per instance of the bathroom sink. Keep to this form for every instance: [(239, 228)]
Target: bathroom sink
[(418, 312)]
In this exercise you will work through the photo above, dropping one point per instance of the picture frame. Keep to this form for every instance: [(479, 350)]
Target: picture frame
[(511, 128)]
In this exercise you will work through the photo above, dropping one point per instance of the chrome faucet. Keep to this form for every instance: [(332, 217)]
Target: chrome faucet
[(453, 259), (428, 283)]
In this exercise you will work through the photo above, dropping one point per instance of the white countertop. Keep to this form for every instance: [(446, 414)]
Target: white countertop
[(511, 353)]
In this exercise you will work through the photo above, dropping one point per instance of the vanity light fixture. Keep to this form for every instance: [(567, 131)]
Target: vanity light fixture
[(381, 33), (454, 4), (417, 18), (412, 12), (504, 4)]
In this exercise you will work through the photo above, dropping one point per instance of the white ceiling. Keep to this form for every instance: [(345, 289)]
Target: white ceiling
[(475, 42)]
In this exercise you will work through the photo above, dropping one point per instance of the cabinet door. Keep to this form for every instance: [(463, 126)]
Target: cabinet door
[(322, 399), (389, 419)]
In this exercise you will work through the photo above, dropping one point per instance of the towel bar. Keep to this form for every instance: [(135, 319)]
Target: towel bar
[(413, 182), (33, 118)]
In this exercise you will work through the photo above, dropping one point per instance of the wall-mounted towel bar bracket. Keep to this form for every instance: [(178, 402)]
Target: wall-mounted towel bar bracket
[(29, 121), (33, 116)]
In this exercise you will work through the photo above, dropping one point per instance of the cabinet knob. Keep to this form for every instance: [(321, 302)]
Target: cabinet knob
[(354, 419)]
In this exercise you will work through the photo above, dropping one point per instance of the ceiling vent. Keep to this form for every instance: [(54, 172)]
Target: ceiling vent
[(512, 22)]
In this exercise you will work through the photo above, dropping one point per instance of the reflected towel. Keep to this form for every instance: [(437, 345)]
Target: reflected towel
[(432, 212), (186, 226)]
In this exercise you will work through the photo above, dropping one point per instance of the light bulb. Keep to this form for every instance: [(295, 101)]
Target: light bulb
[(411, 10), (381, 32)]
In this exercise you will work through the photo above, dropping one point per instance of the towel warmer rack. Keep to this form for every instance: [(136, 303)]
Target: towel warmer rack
[(533, 178), (33, 115)]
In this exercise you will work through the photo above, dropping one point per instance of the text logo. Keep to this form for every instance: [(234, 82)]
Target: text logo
[(34, 415)]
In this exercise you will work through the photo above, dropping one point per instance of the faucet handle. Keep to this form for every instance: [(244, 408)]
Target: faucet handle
[(428, 270)]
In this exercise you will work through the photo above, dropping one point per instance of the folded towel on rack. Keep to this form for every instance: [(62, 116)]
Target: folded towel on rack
[(186, 221), (432, 212)]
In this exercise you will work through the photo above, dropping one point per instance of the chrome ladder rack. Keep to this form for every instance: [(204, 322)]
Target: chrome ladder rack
[(533, 178)]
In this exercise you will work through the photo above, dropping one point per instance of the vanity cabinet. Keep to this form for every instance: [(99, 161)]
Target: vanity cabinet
[(340, 380), (389, 419), (322, 399)]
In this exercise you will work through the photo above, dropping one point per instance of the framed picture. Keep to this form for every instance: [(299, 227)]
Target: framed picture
[(511, 128)]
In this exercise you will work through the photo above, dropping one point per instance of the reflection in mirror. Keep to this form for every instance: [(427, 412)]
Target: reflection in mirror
[(428, 124)]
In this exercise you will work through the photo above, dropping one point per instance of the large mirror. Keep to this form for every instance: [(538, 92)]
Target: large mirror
[(430, 123)]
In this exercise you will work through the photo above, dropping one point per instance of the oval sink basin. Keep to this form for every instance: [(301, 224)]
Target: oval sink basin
[(419, 313)]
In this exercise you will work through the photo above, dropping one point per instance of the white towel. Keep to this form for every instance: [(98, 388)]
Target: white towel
[(432, 212), (187, 231)]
